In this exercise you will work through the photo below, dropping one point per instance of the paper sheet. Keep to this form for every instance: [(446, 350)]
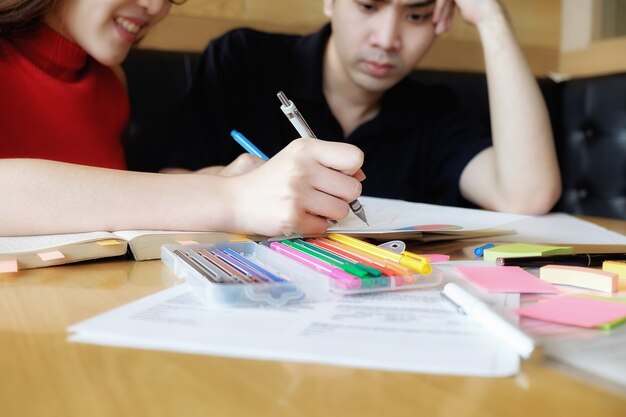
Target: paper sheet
[(561, 228), (385, 215), (603, 355), (403, 331)]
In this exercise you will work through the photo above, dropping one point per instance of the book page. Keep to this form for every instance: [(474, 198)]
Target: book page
[(26, 244), (386, 215)]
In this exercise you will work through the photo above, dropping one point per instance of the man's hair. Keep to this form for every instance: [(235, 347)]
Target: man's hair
[(21, 17)]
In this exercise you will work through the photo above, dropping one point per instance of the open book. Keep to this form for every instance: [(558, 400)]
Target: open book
[(388, 220), (24, 252), (403, 220)]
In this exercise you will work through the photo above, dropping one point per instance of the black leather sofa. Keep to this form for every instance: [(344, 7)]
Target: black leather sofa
[(588, 117)]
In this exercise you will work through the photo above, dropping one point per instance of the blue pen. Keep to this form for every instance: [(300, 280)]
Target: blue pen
[(480, 251), (247, 145)]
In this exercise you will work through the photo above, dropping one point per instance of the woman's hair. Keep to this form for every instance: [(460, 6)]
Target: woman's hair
[(20, 17)]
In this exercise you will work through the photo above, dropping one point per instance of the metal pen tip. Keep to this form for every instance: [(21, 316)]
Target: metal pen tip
[(358, 210)]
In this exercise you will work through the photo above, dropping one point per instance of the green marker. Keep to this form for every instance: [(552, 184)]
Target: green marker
[(371, 271), (342, 265)]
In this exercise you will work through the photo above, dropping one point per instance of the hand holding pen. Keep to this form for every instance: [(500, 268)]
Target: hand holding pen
[(298, 189), (305, 131)]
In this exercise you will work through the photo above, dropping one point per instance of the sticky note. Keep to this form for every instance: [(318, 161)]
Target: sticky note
[(50, 256), (187, 242), (575, 311), (108, 242), (578, 276), (612, 324), (618, 267), (7, 266), (436, 257), (506, 279), (518, 250)]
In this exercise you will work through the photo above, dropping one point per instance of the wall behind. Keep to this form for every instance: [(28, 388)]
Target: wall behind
[(190, 26)]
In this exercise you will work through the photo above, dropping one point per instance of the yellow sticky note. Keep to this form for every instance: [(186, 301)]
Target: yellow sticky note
[(186, 242), (7, 266), (50, 256), (618, 267), (109, 242), (519, 250), (578, 276)]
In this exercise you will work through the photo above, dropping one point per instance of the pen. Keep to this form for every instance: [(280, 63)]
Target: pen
[(480, 251), (580, 259), (247, 145), (473, 307), (304, 130)]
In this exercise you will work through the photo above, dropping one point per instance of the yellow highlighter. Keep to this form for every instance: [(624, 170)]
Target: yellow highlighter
[(410, 260)]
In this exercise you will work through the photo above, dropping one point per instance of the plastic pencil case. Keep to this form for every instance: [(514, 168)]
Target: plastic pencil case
[(301, 283), (298, 283)]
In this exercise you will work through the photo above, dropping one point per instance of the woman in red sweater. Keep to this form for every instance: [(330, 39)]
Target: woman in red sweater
[(63, 109)]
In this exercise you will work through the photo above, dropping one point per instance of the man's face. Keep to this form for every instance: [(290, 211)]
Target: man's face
[(378, 42)]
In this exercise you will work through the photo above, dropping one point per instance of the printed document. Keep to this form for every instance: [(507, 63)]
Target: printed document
[(412, 331)]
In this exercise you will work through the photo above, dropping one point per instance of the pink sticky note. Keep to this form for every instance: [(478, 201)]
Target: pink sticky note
[(575, 311), (506, 279), (436, 257), (7, 266), (51, 256)]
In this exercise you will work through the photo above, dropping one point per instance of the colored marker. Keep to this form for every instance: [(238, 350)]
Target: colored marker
[(323, 257), (229, 270), (241, 267), (219, 275), (479, 251), (262, 272), (208, 274), (354, 255), (370, 271), (399, 274), (414, 263), (349, 281)]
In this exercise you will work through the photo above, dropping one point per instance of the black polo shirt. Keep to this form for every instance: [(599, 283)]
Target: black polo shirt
[(415, 148)]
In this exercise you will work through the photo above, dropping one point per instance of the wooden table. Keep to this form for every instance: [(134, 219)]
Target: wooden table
[(44, 375)]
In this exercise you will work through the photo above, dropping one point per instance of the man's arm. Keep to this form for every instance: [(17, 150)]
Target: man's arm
[(520, 172)]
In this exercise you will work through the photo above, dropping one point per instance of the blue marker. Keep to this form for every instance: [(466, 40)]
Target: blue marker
[(247, 145), (479, 251)]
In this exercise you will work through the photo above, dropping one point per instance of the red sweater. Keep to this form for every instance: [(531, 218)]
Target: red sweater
[(58, 103)]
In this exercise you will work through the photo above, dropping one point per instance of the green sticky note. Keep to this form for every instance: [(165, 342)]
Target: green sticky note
[(519, 250), (612, 324)]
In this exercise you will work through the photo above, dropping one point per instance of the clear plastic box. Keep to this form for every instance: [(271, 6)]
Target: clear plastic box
[(300, 282)]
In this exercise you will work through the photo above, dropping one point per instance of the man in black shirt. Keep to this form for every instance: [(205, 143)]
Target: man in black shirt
[(349, 81)]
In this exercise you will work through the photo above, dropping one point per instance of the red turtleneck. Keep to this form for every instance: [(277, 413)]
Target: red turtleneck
[(58, 103)]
